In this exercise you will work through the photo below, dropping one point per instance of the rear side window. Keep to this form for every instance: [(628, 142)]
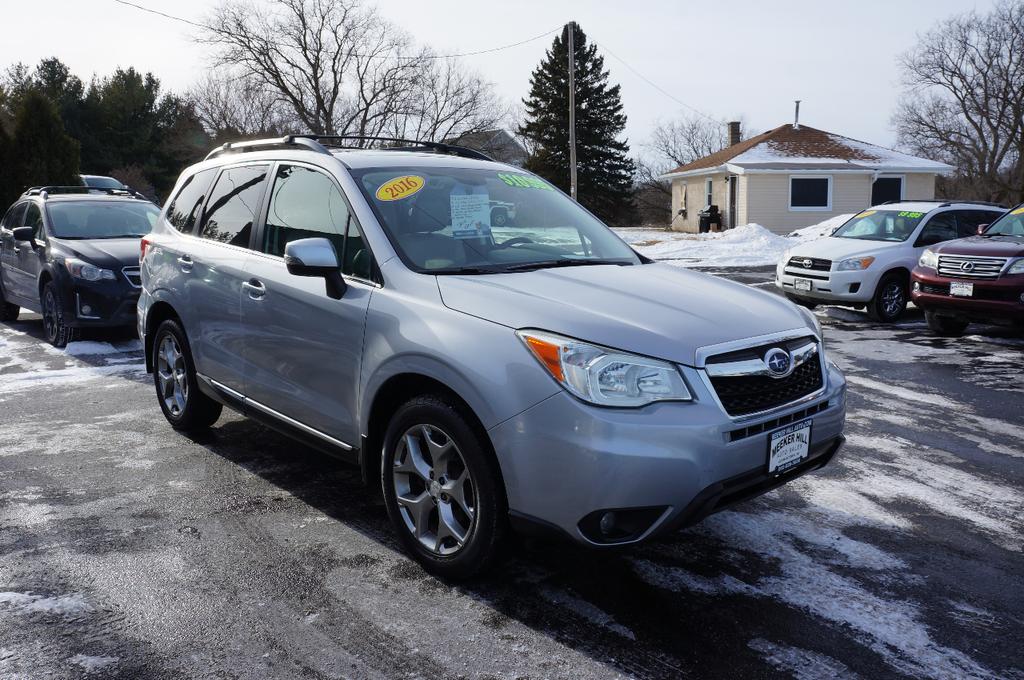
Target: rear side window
[(233, 205), (184, 209)]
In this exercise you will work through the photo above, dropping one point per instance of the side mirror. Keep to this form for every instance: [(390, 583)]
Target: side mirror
[(982, 228), (316, 257), (24, 234)]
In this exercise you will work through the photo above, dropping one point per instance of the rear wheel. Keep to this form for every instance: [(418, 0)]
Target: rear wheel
[(944, 325), (442, 488), (8, 311), (58, 333), (174, 374), (890, 300)]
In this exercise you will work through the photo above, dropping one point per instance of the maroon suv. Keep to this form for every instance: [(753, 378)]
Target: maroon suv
[(978, 278)]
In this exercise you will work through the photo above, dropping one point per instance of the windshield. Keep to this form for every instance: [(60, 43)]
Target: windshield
[(101, 219), (1010, 224), (881, 225), (470, 220), (101, 182)]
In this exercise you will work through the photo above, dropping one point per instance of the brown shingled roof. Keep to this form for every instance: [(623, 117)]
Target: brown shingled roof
[(786, 140)]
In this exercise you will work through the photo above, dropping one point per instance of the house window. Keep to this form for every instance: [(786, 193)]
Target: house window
[(708, 185), (810, 193), (886, 189)]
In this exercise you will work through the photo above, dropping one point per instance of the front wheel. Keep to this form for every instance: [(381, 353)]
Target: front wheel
[(442, 488), (890, 300), (58, 333), (8, 311), (945, 326), (174, 374)]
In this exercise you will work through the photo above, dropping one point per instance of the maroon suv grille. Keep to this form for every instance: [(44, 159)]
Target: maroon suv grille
[(752, 394)]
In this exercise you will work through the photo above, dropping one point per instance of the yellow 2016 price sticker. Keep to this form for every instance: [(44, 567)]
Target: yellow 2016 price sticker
[(1018, 211), (867, 213), (400, 187)]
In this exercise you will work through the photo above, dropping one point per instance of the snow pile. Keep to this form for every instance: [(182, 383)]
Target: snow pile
[(748, 246), (821, 228)]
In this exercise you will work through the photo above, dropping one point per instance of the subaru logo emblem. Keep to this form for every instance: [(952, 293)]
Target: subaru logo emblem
[(967, 267), (808, 263), (778, 362)]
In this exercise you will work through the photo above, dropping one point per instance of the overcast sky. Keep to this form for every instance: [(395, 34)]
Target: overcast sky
[(747, 58)]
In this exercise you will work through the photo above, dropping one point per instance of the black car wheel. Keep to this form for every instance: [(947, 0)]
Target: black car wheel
[(183, 404), (945, 326), (890, 300), (499, 217), (8, 311), (442, 488), (58, 333)]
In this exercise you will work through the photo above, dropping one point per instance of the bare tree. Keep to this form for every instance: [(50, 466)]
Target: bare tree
[(964, 101), (239, 105), (341, 68)]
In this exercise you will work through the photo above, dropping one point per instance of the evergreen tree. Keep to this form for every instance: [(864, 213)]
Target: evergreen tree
[(604, 170), (8, 189), (41, 152)]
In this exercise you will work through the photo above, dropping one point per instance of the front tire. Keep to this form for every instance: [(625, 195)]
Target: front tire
[(442, 488), (945, 326), (58, 333), (8, 311), (184, 406), (890, 300)]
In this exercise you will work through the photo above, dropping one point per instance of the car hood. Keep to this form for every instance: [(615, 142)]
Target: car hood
[(110, 253), (835, 249), (657, 310), (991, 246)]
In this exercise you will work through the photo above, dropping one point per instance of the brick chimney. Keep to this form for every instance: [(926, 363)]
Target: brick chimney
[(734, 132)]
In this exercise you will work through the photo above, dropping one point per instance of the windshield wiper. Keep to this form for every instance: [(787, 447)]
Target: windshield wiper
[(466, 270), (563, 262)]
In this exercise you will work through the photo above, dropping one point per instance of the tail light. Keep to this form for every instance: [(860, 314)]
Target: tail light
[(143, 244)]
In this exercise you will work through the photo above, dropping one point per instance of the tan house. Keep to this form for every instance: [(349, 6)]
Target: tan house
[(795, 176)]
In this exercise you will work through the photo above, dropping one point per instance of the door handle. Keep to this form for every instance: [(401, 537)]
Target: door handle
[(186, 263), (257, 291)]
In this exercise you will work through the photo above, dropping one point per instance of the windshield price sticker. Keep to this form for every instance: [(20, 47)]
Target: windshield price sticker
[(911, 215), (400, 187), (1018, 211), (524, 181), (867, 213)]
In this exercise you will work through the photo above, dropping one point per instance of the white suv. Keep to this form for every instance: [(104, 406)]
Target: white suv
[(867, 261)]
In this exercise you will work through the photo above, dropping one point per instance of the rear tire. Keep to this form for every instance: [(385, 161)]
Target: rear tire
[(945, 326), (58, 333), (184, 406), (8, 311), (890, 300), (442, 488)]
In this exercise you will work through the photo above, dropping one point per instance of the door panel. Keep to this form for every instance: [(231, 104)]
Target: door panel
[(8, 258), (22, 275), (215, 269)]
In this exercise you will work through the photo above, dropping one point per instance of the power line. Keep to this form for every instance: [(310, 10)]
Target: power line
[(656, 86), (369, 56)]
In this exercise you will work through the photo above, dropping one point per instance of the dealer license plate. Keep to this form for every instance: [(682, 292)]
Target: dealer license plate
[(961, 289), (788, 446), (802, 284)]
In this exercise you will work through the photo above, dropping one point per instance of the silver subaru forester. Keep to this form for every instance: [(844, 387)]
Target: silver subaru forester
[(531, 373)]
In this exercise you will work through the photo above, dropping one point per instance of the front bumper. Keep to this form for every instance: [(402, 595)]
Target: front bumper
[(850, 287), (564, 460), (99, 303), (994, 300)]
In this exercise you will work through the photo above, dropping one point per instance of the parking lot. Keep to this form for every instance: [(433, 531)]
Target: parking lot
[(130, 551)]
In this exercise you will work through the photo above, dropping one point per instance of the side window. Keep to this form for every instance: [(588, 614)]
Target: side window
[(34, 219), (13, 217), (233, 205), (941, 227), (306, 203), (970, 220), (184, 209)]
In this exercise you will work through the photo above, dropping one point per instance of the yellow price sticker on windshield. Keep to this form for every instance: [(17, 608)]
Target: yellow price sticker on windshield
[(867, 213), (400, 187), (1018, 211)]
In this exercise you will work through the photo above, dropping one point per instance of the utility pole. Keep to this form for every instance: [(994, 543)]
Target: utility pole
[(571, 26)]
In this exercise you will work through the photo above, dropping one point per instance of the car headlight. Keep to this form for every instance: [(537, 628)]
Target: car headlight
[(1017, 267), (89, 272), (855, 264), (603, 376), (812, 319), (929, 258)]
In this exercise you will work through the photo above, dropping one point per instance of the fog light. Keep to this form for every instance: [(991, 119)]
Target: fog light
[(917, 286), (607, 524), (86, 309)]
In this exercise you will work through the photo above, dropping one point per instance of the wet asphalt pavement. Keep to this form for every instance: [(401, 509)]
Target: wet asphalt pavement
[(130, 551)]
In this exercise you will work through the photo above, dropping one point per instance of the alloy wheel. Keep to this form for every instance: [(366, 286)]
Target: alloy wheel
[(172, 375), (434, 490), (892, 299), (50, 320)]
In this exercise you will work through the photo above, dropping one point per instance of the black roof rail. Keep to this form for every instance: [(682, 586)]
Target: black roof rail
[(945, 202), (44, 191), (406, 145), (265, 144)]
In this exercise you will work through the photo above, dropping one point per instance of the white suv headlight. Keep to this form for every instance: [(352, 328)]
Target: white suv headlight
[(929, 259), (603, 376), (855, 264), (1017, 267), (89, 272)]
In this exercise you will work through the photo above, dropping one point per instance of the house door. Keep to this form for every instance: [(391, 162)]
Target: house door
[(732, 201)]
